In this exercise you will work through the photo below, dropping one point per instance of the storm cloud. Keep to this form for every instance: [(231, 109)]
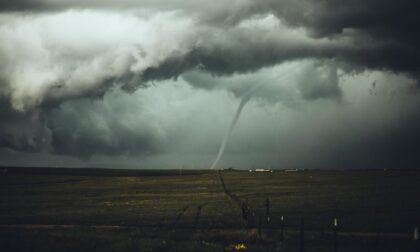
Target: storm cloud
[(82, 78)]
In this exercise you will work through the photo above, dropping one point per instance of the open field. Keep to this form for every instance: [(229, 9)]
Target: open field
[(109, 210)]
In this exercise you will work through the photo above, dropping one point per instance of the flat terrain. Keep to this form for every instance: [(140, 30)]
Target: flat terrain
[(111, 210)]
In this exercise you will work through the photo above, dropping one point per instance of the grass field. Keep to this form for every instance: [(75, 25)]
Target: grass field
[(111, 210)]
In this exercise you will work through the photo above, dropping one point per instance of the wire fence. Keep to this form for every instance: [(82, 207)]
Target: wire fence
[(284, 233)]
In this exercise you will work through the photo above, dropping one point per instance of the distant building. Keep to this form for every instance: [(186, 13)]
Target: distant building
[(291, 170), (261, 170)]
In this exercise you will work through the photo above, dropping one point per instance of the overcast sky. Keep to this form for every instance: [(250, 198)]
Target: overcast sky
[(334, 84)]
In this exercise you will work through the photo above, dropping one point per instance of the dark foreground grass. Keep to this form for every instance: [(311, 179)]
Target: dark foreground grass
[(135, 211)]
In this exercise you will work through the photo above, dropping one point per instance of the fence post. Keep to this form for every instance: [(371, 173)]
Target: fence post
[(416, 238), (335, 234), (268, 219), (282, 228), (302, 235)]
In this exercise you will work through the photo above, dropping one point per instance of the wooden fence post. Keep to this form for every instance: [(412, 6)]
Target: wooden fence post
[(282, 228), (335, 234), (268, 218)]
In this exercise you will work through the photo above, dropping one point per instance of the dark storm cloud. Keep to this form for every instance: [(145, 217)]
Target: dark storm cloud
[(373, 34), (55, 56), (19, 5), (390, 25), (22, 131), (250, 38), (366, 36), (82, 129), (383, 32), (200, 6)]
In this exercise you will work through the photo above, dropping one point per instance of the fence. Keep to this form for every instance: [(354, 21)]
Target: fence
[(263, 223)]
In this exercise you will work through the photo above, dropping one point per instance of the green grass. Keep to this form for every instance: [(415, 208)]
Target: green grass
[(163, 211)]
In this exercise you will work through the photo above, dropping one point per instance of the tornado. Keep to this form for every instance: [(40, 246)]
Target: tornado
[(243, 102)]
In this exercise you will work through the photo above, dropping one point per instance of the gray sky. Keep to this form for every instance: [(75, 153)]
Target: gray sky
[(155, 84)]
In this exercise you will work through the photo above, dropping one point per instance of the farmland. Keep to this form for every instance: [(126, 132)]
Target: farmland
[(112, 210)]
